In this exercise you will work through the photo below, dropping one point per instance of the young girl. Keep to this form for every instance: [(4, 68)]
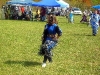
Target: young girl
[(50, 37)]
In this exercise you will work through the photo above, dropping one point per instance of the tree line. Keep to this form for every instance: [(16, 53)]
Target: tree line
[(74, 3)]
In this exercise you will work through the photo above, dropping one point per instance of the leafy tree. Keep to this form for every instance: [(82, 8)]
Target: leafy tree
[(74, 3), (36, 0), (95, 2)]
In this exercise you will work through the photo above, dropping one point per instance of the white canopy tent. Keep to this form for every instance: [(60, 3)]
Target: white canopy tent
[(51, 3), (63, 3), (21, 2)]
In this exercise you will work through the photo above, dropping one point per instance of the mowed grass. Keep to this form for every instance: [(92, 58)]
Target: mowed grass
[(77, 53)]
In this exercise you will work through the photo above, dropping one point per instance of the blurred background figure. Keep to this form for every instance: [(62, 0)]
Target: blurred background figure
[(42, 14), (94, 21), (71, 16), (84, 18), (37, 15), (3, 12)]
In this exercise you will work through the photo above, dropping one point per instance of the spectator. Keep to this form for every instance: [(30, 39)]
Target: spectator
[(42, 14), (3, 12), (84, 18), (37, 15), (71, 17), (94, 21)]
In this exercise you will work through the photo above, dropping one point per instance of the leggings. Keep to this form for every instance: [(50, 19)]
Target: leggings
[(48, 50)]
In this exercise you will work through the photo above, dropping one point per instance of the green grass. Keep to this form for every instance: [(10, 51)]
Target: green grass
[(0, 13), (77, 53)]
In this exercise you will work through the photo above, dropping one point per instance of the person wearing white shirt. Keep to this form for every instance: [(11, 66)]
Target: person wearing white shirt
[(94, 21)]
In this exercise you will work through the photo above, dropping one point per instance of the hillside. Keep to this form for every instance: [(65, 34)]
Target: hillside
[(3, 2)]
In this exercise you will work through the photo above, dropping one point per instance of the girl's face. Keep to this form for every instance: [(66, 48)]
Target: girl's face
[(51, 19)]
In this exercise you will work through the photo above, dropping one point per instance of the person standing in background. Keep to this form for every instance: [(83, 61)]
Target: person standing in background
[(3, 12), (71, 16), (42, 14), (94, 21)]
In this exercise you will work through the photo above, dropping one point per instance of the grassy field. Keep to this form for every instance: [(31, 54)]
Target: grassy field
[(77, 53)]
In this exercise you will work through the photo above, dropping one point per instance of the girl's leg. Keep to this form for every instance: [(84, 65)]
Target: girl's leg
[(50, 58), (45, 59), (50, 47), (48, 55)]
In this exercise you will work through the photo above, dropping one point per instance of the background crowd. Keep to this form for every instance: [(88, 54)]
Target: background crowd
[(17, 12), (22, 12)]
